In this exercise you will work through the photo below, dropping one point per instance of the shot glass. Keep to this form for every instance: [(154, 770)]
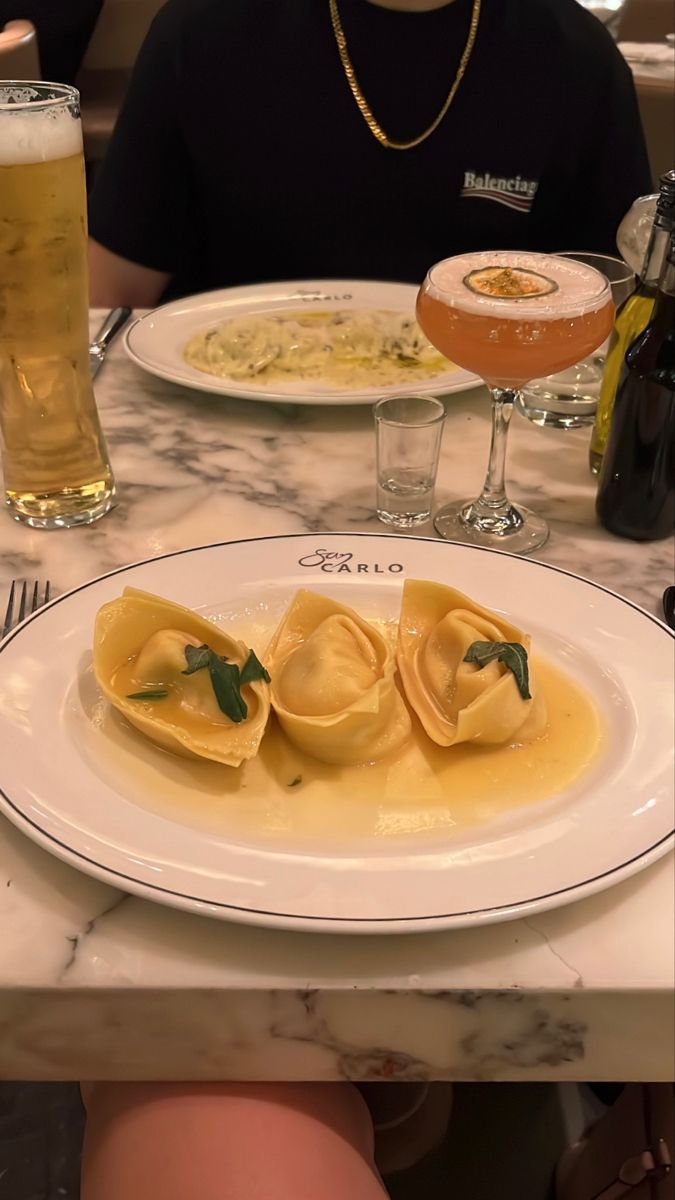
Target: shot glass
[(568, 399), (408, 435)]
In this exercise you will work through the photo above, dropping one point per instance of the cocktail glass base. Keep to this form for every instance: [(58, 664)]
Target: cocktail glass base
[(514, 530)]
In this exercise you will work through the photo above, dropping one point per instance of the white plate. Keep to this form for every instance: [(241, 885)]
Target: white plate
[(156, 341), (66, 786)]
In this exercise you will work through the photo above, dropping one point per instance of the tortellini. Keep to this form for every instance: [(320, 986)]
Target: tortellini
[(459, 701), (333, 687), (140, 645)]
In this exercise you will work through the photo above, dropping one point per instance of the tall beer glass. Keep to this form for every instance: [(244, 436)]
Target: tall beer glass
[(56, 468), (509, 316)]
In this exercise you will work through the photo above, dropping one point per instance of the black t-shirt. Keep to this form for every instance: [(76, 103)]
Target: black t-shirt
[(240, 155)]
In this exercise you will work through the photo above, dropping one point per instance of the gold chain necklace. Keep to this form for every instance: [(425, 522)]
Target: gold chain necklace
[(363, 105)]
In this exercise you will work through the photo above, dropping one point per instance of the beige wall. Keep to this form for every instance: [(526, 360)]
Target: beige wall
[(119, 32)]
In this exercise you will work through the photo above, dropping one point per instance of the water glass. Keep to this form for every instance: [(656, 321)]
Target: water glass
[(408, 432), (568, 399)]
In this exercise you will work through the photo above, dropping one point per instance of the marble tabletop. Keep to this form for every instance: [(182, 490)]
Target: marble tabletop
[(97, 984)]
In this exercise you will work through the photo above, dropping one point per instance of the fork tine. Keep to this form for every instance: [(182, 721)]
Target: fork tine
[(24, 598), (9, 615), (22, 603)]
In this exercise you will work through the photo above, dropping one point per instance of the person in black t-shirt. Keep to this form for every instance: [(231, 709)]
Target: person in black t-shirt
[(241, 155)]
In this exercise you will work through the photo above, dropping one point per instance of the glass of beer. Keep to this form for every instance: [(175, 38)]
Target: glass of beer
[(56, 468), (509, 316)]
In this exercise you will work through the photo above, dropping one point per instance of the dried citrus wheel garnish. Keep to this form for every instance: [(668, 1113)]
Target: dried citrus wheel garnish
[(509, 283)]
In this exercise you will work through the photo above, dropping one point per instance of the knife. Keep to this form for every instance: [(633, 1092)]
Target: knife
[(669, 606), (114, 321)]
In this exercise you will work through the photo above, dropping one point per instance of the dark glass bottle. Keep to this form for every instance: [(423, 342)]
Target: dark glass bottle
[(632, 316), (636, 495)]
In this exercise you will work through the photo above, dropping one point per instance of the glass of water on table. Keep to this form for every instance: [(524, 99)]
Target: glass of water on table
[(408, 433), (568, 399)]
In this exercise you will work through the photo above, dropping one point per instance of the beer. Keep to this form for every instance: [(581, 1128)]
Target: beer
[(56, 469), (513, 335)]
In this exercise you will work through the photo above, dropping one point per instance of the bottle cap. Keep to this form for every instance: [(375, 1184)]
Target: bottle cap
[(665, 205)]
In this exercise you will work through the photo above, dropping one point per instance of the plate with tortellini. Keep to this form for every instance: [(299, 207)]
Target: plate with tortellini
[(350, 733)]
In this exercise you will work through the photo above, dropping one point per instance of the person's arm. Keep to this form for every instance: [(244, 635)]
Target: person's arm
[(115, 281), (142, 209)]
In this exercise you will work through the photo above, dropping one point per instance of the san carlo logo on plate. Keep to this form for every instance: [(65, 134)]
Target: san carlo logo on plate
[(316, 295), (336, 562)]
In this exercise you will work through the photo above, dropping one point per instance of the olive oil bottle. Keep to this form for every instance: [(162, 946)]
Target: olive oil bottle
[(636, 496), (632, 316)]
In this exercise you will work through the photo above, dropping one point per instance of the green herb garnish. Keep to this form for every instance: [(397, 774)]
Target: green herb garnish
[(226, 683), (253, 669), (196, 657), (158, 695), (226, 678), (295, 782), (511, 654)]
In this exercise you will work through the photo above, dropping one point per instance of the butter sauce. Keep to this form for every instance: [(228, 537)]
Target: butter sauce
[(284, 797)]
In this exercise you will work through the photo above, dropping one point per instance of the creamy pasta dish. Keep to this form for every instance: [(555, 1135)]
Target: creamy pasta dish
[(347, 348)]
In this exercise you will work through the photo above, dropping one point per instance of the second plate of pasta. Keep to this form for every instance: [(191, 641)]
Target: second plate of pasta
[(311, 341)]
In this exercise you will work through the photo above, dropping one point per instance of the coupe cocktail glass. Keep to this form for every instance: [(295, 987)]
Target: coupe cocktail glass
[(510, 317)]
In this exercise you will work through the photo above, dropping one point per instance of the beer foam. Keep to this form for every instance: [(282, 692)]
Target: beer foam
[(578, 287), (39, 136)]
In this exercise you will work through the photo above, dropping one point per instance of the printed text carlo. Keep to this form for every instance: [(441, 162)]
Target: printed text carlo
[(334, 562)]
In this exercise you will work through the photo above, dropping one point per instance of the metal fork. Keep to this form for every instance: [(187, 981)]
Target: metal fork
[(27, 601)]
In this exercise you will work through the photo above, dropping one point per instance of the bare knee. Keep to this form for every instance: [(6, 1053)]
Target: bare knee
[(227, 1140)]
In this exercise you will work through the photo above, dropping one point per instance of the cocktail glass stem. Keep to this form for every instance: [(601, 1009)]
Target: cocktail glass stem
[(493, 512)]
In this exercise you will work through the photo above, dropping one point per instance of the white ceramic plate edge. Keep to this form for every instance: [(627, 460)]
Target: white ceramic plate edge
[(334, 925)]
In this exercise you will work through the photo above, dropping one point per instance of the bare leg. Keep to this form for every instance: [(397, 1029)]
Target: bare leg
[(296, 1141)]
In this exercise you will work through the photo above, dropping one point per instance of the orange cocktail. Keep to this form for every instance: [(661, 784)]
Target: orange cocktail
[(512, 317), (509, 316)]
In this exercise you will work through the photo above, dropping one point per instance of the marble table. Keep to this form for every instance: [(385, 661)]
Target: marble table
[(97, 984)]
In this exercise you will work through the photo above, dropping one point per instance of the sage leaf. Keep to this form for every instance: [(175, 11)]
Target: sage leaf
[(226, 678), (196, 657), (253, 669), (511, 654), (226, 683), (156, 695)]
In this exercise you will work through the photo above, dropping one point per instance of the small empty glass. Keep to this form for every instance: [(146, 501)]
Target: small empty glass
[(568, 399), (408, 433)]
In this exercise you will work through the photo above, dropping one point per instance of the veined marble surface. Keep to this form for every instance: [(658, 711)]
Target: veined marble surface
[(94, 983)]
